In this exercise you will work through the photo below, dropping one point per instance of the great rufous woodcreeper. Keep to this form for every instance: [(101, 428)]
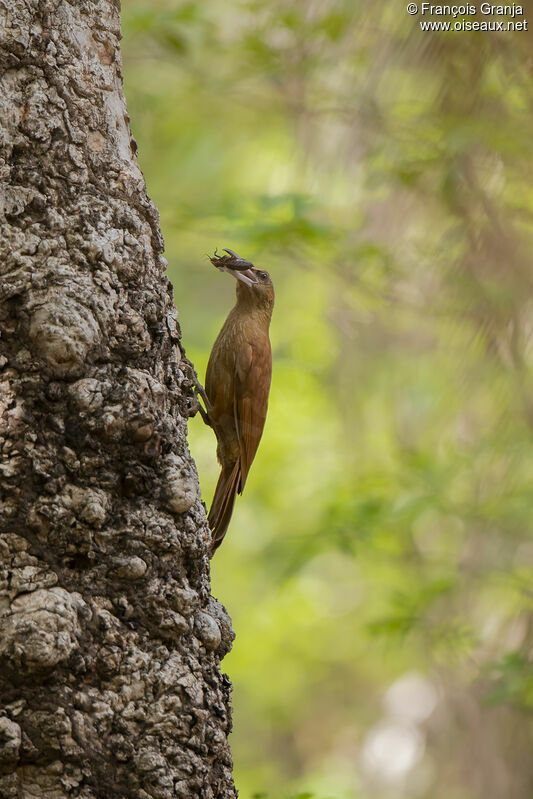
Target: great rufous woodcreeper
[(237, 384)]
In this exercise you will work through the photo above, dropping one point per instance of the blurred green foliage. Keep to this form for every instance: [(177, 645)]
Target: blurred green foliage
[(378, 569)]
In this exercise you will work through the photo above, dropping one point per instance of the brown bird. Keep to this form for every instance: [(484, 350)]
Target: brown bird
[(237, 384)]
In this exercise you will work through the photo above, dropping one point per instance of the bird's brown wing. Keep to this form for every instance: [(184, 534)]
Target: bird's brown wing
[(219, 374), (253, 372), (220, 390)]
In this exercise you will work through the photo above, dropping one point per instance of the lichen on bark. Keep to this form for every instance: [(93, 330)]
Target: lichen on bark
[(110, 642)]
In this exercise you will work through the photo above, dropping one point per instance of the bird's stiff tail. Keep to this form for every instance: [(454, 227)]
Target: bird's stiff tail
[(223, 501)]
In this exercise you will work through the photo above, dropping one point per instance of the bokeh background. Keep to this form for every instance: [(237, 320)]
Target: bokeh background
[(379, 566)]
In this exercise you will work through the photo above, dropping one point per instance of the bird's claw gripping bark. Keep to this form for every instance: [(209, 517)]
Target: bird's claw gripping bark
[(199, 391)]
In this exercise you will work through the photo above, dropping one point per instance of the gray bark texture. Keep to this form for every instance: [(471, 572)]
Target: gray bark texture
[(110, 642)]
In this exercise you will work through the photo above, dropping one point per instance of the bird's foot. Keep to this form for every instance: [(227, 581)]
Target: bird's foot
[(199, 391), (203, 412)]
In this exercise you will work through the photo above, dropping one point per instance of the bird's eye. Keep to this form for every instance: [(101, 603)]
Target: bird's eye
[(263, 275)]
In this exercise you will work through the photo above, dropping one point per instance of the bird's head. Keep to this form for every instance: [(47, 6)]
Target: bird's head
[(254, 286)]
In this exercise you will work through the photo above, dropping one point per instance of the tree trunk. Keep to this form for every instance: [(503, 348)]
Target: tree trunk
[(110, 642)]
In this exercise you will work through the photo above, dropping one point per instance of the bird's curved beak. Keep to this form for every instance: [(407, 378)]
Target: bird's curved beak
[(246, 276)]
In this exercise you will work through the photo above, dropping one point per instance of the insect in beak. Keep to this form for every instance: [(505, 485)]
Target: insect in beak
[(231, 261)]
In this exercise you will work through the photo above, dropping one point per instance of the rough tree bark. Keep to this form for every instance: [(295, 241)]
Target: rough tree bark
[(110, 642)]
